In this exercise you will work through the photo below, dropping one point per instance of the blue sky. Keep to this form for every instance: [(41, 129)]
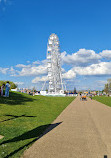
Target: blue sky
[(82, 27)]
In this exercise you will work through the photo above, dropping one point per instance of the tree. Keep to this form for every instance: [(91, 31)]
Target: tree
[(33, 89), (46, 90), (106, 88), (12, 84), (75, 91)]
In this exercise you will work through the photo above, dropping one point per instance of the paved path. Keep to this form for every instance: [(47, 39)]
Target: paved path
[(85, 132)]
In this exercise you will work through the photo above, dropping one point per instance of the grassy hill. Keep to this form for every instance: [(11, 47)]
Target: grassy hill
[(23, 118), (103, 99)]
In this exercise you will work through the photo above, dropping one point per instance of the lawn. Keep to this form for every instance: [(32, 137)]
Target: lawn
[(103, 99), (23, 118)]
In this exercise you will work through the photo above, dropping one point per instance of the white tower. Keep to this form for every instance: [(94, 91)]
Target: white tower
[(54, 65)]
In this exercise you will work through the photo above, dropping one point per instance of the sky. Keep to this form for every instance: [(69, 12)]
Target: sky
[(84, 31)]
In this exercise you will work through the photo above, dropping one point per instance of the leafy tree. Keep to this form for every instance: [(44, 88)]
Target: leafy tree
[(75, 91), (33, 89), (12, 84), (109, 87), (46, 90), (106, 88)]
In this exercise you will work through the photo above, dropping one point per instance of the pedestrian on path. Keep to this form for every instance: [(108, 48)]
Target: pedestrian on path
[(91, 96), (7, 88)]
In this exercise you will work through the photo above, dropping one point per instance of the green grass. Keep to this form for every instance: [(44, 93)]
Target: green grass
[(103, 99), (23, 118)]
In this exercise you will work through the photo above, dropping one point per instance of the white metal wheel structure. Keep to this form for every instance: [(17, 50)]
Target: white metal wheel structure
[(54, 65)]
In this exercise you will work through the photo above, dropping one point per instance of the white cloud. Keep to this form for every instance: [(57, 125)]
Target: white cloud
[(83, 62), (28, 61), (69, 75), (103, 68), (36, 62), (101, 82), (81, 58), (63, 70), (40, 79), (12, 71), (4, 70), (44, 62), (33, 71), (22, 66), (63, 54), (106, 54), (30, 70), (19, 83)]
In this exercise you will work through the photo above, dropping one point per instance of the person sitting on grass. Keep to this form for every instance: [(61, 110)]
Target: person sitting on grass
[(2, 89), (7, 88)]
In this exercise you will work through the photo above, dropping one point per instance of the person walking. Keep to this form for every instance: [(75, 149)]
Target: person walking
[(7, 88), (2, 89), (91, 96)]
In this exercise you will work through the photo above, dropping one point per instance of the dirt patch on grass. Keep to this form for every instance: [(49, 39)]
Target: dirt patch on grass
[(1, 136)]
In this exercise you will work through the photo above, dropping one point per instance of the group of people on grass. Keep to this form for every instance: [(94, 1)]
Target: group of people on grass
[(7, 88)]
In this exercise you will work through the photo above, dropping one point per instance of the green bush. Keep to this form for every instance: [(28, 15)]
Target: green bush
[(12, 84)]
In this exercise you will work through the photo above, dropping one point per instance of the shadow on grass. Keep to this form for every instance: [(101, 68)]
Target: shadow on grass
[(36, 133), (16, 99), (32, 133), (14, 152), (14, 117)]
